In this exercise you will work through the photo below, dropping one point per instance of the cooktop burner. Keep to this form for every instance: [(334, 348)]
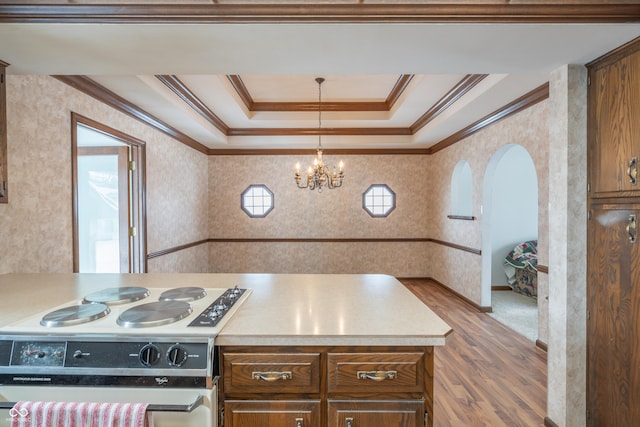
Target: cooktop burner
[(154, 314), (114, 296), (193, 311), (188, 293), (75, 315)]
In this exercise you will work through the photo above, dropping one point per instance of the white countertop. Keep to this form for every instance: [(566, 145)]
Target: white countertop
[(283, 309)]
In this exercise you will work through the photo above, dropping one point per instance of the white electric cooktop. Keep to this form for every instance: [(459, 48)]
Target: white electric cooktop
[(138, 311)]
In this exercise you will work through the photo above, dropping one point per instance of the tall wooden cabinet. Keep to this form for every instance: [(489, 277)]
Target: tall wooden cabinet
[(4, 176), (613, 264)]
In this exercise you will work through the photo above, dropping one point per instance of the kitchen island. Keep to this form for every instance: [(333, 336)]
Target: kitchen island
[(302, 350)]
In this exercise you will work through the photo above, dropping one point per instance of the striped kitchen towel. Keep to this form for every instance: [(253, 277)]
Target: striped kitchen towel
[(79, 414)]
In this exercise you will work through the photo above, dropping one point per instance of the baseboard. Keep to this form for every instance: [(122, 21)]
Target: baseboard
[(541, 345), (501, 288), (549, 423), (482, 309)]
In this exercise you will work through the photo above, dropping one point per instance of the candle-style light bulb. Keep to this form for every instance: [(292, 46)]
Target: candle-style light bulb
[(341, 165), (298, 167)]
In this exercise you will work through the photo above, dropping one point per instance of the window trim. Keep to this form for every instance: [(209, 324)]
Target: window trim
[(246, 209), (393, 200)]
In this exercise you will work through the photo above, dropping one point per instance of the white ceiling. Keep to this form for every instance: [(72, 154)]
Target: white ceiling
[(279, 62)]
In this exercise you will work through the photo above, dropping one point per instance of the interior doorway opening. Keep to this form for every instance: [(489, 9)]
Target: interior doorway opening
[(108, 199), (510, 230)]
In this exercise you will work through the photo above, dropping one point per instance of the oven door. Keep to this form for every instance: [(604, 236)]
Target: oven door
[(168, 407)]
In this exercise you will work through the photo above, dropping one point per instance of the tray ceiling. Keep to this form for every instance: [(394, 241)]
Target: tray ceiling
[(250, 85)]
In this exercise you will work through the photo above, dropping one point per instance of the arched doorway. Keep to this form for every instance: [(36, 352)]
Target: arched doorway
[(510, 212)]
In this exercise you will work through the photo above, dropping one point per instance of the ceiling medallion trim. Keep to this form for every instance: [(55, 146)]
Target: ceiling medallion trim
[(253, 106), (471, 12)]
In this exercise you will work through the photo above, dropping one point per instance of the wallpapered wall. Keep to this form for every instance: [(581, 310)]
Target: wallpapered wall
[(192, 197), (36, 226), (421, 184), (332, 214)]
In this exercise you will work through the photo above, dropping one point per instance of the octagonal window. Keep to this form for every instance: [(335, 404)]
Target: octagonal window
[(257, 201), (379, 200)]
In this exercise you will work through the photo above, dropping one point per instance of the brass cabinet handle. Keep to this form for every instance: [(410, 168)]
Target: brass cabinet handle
[(271, 376), (377, 375), (631, 229), (632, 171), (299, 422), (348, 422)]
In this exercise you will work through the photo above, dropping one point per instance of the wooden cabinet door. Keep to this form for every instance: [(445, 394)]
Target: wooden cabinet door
[(613, 325), (614, 126), (272, 413), (376, 413)]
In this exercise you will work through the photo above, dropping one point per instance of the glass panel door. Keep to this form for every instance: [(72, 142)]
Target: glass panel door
[(109, 209), (103, 212)]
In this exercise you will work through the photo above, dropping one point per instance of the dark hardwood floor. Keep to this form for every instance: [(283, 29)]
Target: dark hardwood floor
[(487, 374)]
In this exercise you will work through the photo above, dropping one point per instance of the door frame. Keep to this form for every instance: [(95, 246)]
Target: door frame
[(137, 191)]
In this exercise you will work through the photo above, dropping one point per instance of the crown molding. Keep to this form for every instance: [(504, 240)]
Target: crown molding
[(86, 85), (179, 88), (469, 12), (251, 105), (467, 83), (527, 100), (91, 88), (316, 131)]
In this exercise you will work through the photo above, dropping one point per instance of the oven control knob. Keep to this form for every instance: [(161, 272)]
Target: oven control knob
[(149, 355), (176, 355)]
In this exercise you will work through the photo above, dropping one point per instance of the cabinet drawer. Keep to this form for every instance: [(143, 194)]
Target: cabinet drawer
[(270, 413), (375, 372), (376, 413), (271, 372)]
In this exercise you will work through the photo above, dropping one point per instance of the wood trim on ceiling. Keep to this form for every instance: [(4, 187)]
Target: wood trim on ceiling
[(527, 100), (304, 151), (316, 131), (86, 85), (462, 87), (574, 12), (386, 105), (614, 55), (467, 83), (179, 88)]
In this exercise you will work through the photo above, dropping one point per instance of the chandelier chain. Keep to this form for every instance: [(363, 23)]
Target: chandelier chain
[(320, 80)]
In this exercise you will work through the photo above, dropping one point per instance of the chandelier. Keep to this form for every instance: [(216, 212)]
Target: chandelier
[(319, 175)]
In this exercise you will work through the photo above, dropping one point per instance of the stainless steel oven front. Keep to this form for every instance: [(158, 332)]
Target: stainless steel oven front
[(175, 377)]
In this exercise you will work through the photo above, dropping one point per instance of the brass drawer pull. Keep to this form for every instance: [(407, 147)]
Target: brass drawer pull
[(377, 375), (632, 171), (348, 422), (299, 422), (271, 376), (631, 229)]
